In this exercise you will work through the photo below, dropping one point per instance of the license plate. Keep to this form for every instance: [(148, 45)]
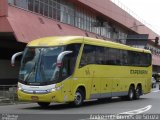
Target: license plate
[(34, 98)]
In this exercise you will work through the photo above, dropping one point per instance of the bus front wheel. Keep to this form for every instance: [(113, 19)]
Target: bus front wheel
[(43, 104), (79, 98)]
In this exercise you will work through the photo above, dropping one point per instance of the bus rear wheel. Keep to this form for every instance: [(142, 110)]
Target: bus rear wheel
[(43, 104), (137, 92)]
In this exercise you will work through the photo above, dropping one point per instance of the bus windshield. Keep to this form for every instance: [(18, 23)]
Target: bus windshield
[(39, 65)]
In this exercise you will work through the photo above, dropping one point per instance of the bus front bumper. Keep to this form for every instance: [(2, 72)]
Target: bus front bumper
[(49, 97)]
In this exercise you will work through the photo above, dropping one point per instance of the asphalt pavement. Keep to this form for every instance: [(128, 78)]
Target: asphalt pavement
[(147, 104)]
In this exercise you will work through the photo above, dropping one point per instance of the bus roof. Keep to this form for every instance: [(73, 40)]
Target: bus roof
[(55, 41), (64, 40)]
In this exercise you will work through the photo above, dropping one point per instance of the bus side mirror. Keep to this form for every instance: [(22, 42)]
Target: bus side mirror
[(14, 57), (60, 58), (59, 64)]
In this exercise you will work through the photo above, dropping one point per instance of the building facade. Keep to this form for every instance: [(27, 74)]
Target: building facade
[(24, 20)]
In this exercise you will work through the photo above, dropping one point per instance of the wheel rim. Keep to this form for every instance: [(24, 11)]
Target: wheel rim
[(131, 94), (78, 98), (138, 93)]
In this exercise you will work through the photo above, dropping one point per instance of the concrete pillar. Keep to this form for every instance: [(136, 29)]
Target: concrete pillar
[(3, 8)]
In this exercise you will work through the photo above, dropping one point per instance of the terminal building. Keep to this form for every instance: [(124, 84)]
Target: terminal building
[(22, 21)]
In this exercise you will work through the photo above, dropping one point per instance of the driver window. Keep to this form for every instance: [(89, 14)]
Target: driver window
[(69, 60)]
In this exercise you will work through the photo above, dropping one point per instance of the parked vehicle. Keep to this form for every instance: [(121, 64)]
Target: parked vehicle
[(156, 77), (153, 82)]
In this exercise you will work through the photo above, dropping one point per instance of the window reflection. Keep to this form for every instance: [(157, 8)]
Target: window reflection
[(112, 56), (66, 12)]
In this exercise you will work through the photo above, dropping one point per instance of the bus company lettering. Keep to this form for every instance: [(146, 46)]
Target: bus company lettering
[(138, 72)]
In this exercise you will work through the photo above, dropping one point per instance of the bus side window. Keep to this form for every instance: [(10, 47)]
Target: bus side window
[(88, 55), (145, 58), (124, 57), (100, 55), (111, 58)]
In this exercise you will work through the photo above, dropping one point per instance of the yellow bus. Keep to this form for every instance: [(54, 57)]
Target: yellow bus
[(71, 69)]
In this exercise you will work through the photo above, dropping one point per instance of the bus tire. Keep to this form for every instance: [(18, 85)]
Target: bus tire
[(137, 92), (43, 104), (79, 98), (131, 92)]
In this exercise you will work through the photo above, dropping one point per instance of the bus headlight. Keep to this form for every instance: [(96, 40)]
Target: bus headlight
[(19, 87), (55, 89)]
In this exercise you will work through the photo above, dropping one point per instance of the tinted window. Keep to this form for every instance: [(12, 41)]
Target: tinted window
[(124, 57), (112, 56), (139, 59), (88, 55), (145, 59), (100, 55)]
